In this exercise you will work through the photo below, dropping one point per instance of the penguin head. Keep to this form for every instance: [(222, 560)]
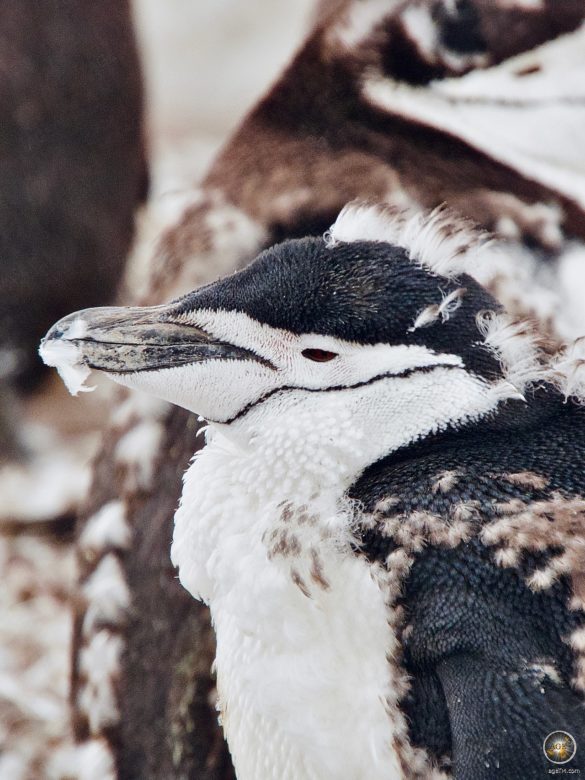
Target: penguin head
[(378, 318)]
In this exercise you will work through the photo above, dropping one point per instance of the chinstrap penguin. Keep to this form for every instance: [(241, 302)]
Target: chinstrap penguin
[(387, 519)]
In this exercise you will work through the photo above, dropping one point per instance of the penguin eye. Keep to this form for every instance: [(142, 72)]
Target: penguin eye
[(318, 355)]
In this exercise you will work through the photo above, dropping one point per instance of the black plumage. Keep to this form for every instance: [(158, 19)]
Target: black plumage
[(487, 649), (364, 292)]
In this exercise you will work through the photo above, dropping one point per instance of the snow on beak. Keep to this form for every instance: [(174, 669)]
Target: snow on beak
[(125, 340)]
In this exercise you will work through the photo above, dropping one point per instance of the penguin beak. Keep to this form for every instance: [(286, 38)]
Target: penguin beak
[(122, 340)]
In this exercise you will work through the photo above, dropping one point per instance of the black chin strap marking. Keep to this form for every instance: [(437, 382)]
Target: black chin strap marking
[(336, 388)]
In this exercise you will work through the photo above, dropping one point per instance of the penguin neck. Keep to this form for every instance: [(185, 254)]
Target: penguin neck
[(542, 403), (301, 442)]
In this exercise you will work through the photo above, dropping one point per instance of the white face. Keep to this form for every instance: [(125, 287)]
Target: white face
[(356, 402), (348, 412), (228, 390)]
